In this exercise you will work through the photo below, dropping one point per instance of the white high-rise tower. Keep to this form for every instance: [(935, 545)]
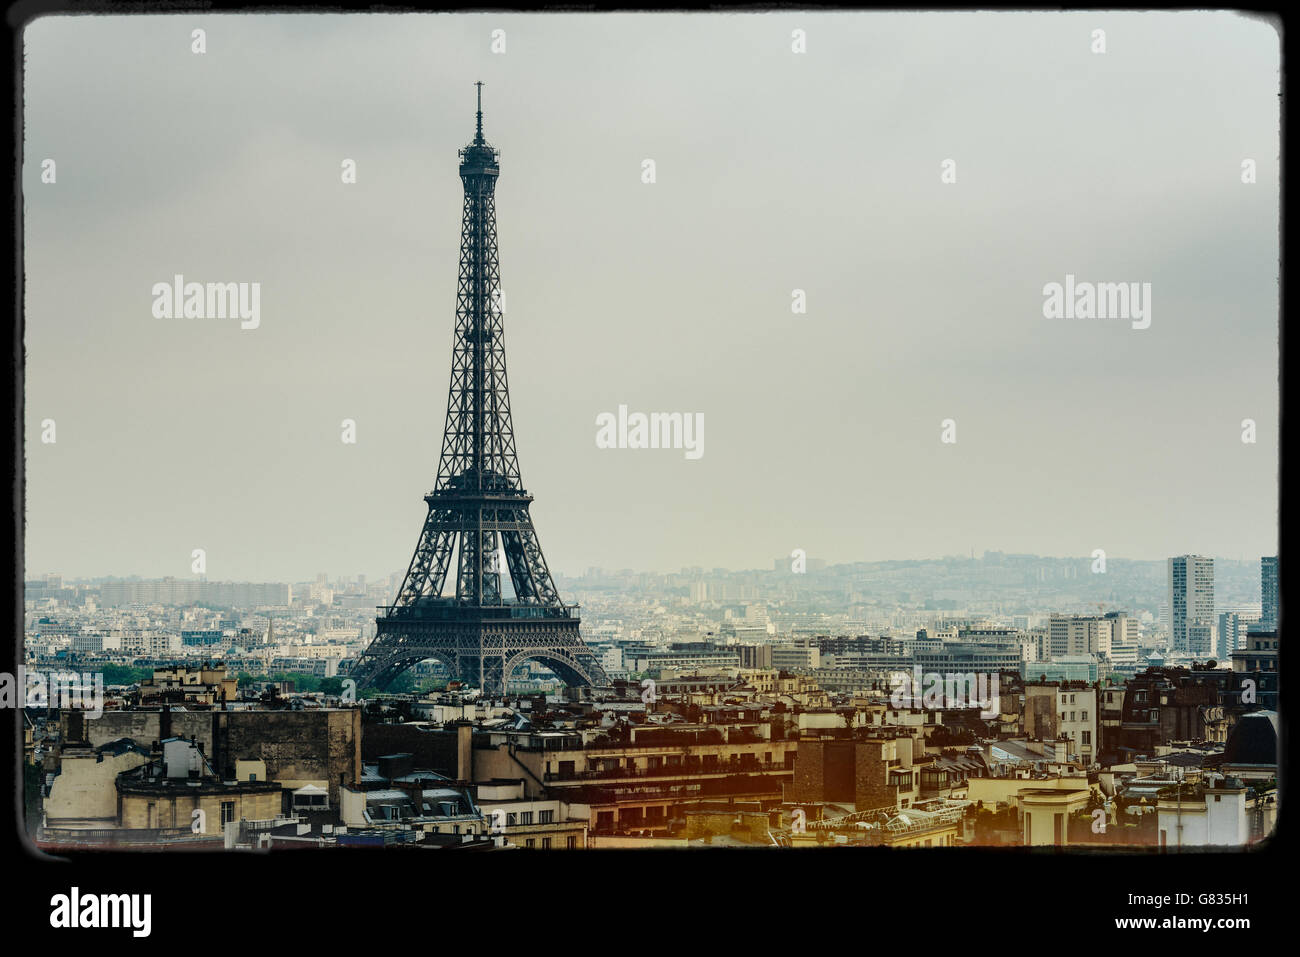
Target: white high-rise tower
[(1191, 604)]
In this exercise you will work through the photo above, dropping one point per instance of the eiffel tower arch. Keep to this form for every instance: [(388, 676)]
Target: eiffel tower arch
[(478, 542)]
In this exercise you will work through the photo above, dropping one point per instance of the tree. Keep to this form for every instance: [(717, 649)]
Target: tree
[(124, 674), (332, 686)]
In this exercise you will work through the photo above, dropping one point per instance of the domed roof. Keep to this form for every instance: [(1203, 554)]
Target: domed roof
[(1253, 740)]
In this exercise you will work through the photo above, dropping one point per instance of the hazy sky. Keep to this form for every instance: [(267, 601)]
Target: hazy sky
[(775, 171)]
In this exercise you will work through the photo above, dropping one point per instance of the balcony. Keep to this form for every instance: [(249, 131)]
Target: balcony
[(693, 769), (122, 837), (1139, 723), (451, 609)]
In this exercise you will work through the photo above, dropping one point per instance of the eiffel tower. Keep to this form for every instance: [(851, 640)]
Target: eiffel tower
[(479, 508)]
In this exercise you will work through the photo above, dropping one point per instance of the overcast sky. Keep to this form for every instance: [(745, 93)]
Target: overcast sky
[(775, 171)]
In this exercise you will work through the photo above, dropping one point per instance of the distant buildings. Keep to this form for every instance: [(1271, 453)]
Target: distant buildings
[(688, 655), (207, 685), (1065, 668), (1232, 634), (1074, 635), (1191, 604), (1268, 591), (173, 591)]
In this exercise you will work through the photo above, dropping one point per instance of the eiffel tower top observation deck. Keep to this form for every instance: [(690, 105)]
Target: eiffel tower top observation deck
[(479, 158)]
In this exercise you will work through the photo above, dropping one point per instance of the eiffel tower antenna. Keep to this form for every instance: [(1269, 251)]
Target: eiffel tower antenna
[(479, 508), (478, 134)]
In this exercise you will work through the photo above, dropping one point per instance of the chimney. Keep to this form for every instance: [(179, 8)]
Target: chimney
[(416, 791), (76, 726), (464, 751)]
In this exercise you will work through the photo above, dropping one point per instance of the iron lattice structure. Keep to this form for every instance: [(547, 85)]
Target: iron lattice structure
[(478, 510)]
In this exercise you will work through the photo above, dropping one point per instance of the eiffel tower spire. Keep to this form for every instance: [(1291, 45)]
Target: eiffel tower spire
[(478, 509), (478, 134)]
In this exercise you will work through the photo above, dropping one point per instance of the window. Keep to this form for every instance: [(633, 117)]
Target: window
[(545, 817), (512, 819), (526, 817), (530, 843), (546, 843), (227, 811), (1087, 737)]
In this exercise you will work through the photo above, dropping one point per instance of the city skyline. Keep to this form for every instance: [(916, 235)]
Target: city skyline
[(373, 578), (924, 300)]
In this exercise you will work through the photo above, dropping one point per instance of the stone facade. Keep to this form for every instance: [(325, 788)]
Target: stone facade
[(823, 771), (872, 789), (318, 746)]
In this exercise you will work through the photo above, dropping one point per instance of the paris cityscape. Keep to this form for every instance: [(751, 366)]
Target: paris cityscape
[(954, 570), (742, 708)]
